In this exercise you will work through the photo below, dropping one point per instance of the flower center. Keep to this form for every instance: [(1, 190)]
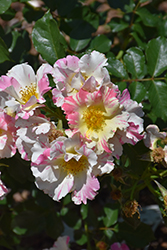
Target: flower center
[(54, 133), (84, 76), (28, 91), (94, 118), (158, 154), (74, 167)]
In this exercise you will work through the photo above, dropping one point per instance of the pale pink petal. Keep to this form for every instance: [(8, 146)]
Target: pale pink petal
[(152, 135), (23, 73), (88, 191)]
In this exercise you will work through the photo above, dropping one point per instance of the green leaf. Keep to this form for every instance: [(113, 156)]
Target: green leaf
[(132, 221), (50, 4), (78, 45), (138, 237), (140, 42), (121, 85), (149, 19), (90, 17), (157, 96), (156, 54), (118, 25), (109, 233), (138, 28), (5, 56), (162, 27), (48, 40), (116, 68), (101, 43), (52, 220), (80, 237), (130, 6), (75, 222), (134, 60), (32, 14), (19, 231), (65, 7), (137, 91), (84, 211), (81, 29), (9, 14), (111, 216), (4, 5)]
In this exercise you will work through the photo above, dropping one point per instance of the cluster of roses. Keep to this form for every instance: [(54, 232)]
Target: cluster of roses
[(100, 118)]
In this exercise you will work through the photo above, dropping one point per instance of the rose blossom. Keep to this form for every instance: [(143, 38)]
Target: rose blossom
[(60, 244), (119, 246), (26, 88), (67, 166), (103, 114), (72, 74)]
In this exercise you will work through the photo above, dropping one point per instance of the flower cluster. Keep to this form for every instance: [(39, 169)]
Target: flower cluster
[(100, 120)]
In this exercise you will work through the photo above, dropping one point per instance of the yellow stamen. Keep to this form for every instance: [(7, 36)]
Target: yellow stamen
[(74, 167), (28, 91), (158, 154), (94, 118)]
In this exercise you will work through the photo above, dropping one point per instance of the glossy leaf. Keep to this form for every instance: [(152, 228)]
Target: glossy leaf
[(101, 43), (116, 68), (138, 40), (118, 25), (148, 18), (90, 16), (5, 56), (134, 60), (157, 96), (137, 27), (78, 45), (48, 40), (4, 5), (137, 91), (156, 55)]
